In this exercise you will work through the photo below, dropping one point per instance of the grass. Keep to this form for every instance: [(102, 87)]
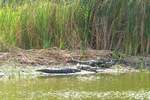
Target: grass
[(120, 25)]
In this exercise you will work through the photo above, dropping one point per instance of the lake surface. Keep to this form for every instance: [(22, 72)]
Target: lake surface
[(133, 86)]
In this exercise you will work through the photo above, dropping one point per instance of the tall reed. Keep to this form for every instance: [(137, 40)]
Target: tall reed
[(122, 25)]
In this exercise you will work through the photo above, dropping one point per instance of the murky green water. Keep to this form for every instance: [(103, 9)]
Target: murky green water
[(133, 86)]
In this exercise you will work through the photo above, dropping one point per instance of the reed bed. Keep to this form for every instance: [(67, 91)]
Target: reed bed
[(120, 25)]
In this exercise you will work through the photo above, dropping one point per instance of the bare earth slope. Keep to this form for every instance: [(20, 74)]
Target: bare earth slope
[(52, 56)]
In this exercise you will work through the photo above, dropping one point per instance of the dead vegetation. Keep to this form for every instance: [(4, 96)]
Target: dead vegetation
[(53, 56)]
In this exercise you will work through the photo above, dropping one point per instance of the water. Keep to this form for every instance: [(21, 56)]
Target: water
[(132, 86)]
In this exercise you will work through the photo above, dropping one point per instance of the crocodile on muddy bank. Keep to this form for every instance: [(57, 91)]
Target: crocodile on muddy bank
[(55, 56), (87, 60), (100, 66)]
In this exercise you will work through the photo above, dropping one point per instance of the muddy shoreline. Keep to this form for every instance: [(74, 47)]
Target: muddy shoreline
[(27, 62)]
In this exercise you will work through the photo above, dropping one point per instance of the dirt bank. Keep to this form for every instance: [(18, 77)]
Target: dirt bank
[(49, 57), (55, 56), (27, 62)]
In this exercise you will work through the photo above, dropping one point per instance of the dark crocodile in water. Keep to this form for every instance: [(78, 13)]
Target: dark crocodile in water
[(57, 71)]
